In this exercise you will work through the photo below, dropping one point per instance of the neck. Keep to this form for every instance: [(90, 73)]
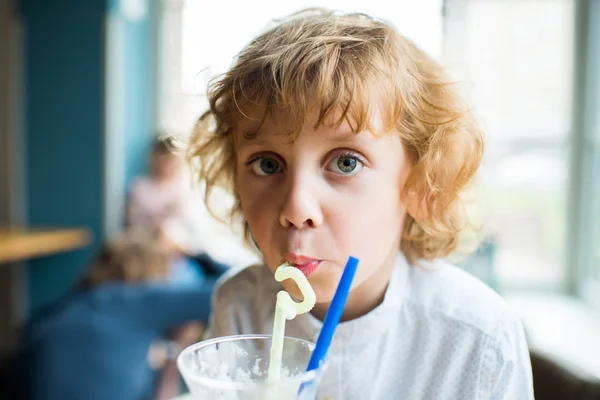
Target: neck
[(365, 297)]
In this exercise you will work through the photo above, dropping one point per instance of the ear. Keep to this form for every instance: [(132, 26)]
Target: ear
[(418, 199), (418, 206)]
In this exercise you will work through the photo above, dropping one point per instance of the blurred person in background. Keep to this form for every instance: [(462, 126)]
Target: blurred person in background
[(164, 206), (103, 340)]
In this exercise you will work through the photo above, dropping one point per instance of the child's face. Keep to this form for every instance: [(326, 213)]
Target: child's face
[(165, 166), (328, 195)]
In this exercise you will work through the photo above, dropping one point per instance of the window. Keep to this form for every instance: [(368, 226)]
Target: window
[(516, 62), (200, 40), (587, 153), (516, 58)]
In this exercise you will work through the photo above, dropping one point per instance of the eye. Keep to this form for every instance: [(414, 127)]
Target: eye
[(265, 166), (345, 164)]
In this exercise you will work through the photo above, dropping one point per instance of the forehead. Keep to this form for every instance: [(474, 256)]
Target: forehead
[(283, 127)]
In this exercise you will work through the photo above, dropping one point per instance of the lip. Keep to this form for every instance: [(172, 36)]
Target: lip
[(305, 264)]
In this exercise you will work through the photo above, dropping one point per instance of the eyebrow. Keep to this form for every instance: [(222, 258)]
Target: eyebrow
[(245, 143), (348, 137), (345, 137)]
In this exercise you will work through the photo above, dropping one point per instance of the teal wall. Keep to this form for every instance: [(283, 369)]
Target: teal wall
[(64, 107), (136, 59), (139, 97)]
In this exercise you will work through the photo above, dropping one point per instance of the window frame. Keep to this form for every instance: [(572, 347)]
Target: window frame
[(584, 235)]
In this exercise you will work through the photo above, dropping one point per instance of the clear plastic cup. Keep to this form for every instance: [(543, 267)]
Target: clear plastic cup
[(236, 368)]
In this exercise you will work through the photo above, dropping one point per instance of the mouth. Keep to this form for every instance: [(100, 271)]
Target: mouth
[(305, 264)]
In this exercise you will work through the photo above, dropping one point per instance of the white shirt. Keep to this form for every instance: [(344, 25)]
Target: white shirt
[(439, 334)]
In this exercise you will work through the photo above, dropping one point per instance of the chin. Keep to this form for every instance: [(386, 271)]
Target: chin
[(325, 285), (293, 290), (325, 296)]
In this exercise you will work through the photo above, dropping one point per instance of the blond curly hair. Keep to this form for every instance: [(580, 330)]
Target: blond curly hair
[(329, 63)]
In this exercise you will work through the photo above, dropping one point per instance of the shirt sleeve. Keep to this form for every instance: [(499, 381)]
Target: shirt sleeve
[(506, 371)]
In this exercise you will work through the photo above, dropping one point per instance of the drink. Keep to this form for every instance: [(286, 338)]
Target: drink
[(236, 368)]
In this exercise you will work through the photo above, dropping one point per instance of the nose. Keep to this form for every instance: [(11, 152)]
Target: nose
[(301, 207)]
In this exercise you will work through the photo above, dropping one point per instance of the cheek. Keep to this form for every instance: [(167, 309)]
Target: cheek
[(249, 194), (257, 207), (375, 212), (371, 230), (372, 233)]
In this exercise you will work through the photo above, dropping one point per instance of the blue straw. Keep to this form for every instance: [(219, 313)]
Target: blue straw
[(332, 319), (334, 314)]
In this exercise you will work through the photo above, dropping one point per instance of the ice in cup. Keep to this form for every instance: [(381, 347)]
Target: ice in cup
[(236, 368)]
